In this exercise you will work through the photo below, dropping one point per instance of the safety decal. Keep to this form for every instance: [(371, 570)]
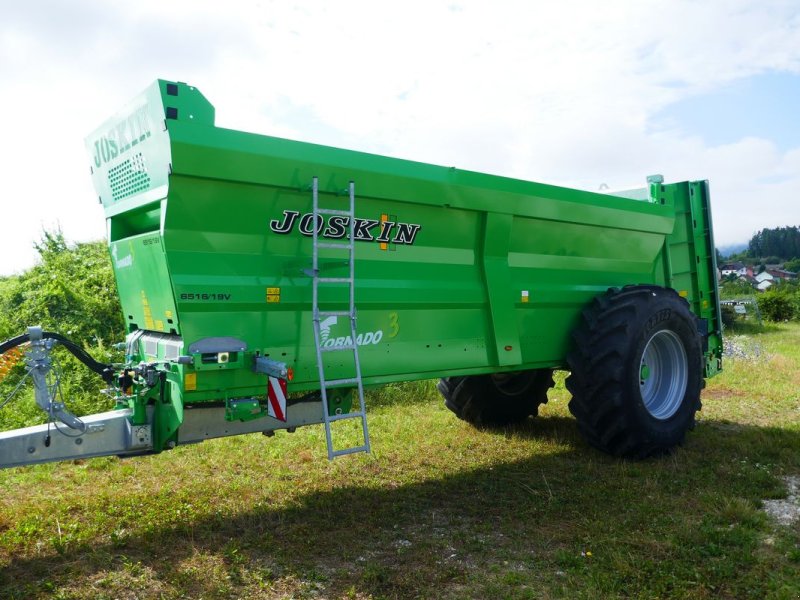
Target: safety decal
[(277, 399)]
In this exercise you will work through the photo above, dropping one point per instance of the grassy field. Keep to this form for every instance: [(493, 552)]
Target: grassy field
[(438, 510)]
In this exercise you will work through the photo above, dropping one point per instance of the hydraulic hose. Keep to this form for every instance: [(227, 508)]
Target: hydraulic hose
[(106, 371)]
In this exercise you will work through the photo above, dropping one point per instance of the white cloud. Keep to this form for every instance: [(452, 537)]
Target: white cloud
[(560, 93)]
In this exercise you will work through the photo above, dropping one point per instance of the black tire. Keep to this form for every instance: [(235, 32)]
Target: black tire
[(497, 399), (636, 371)]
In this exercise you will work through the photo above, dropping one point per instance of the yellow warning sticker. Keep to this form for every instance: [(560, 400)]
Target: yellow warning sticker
[(148, 314), (272, 299), (683, 294), (276, 291), (384, 219), (190, 382), (525, 296)]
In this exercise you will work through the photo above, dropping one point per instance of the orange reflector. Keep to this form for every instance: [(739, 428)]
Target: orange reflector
[(8, 360), (290, 374), (190, 382)]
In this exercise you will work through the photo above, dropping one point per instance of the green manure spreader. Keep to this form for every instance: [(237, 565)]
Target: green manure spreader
[(266, 282)]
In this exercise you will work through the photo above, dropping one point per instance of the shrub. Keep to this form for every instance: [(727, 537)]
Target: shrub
[(777, 305), (70, 291), (728, 315)]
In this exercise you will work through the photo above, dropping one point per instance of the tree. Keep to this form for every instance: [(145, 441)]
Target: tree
[(71, 290), (792, 265), (782, 242)]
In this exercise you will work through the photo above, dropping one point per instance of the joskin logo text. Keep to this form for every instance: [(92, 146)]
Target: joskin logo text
[(122, 137), (338, 227)]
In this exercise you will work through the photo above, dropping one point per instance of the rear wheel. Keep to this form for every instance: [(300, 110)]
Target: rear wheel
[(497, 399), (636, 371)]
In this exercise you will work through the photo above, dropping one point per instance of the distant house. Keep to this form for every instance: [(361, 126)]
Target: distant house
[(764, 285), (781, 274), (774, 274), (764, 281), (734, 268), (764, 276), (751, 280)]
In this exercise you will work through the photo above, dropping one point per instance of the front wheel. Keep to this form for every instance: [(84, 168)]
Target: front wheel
[(636, 371), (497, 399)]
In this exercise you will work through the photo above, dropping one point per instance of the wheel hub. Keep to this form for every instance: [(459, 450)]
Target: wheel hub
[(663, 374)]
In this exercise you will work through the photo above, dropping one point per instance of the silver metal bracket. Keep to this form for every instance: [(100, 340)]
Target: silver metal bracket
[(39, 366), (270, 367)]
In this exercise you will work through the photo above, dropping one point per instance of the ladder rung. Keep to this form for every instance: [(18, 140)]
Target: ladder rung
[(337, 348), (335, 245), (364, 448), (334, 279), (333, 382), (334, 313), (333, 211), (342, 417)]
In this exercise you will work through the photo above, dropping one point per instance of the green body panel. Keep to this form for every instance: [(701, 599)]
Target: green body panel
[(477, 274)]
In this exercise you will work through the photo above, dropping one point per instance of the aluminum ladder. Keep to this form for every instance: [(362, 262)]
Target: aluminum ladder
[(318, 315)]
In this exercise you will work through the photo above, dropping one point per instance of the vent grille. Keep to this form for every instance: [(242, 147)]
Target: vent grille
[(129, 177)]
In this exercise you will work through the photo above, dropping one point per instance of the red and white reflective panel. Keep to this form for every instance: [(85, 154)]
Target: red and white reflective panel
[(277, 398)]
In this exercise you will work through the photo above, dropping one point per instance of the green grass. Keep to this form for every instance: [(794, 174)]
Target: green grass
[(439, 510)]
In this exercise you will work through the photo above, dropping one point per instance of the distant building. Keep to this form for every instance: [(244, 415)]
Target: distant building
[(781, 273), (764, 276), (750, 279), (764, 285), (764, 281), (735, 268)]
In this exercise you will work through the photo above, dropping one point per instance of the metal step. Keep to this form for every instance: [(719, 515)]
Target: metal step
[(364, 448), (334, 212), (355, 415), (338, 348), (335, 245), (346, 381)]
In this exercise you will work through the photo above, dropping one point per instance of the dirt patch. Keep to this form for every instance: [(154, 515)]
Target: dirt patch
[(721, 393), (786, 511)]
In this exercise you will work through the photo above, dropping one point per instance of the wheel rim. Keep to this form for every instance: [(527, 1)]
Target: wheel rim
[(512, 384), (663, 374)]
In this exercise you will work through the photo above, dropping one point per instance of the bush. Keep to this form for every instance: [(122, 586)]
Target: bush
[(735, 288), (777, 305), (70, 291), (728, 315)]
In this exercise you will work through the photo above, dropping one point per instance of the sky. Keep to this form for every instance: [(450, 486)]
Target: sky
[(575, 92)]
